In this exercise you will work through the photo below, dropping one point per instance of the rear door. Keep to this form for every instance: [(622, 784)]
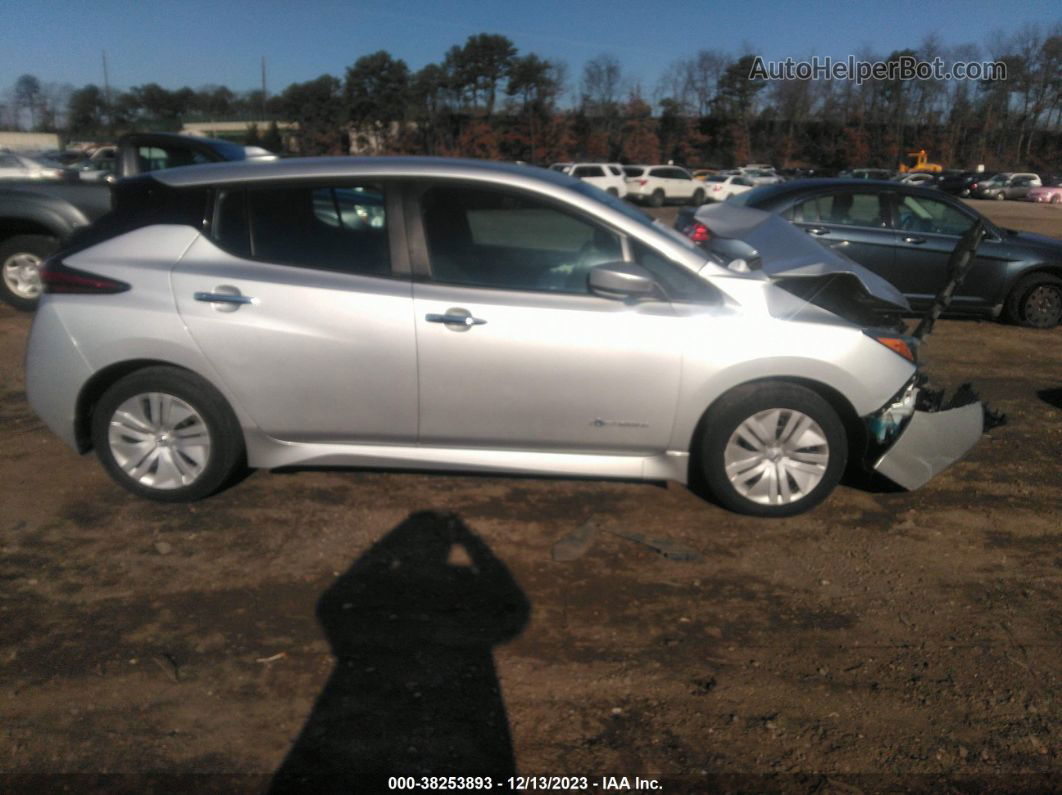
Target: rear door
[(295, 298), (856, 223)]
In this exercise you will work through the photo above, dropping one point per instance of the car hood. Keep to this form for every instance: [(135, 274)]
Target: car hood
[(769, 243), (1031, 240)]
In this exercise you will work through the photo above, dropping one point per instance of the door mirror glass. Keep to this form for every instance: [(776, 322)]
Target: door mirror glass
[(621, 280)]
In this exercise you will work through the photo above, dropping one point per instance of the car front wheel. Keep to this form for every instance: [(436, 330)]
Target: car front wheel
[(1036, 301), (1000, 196), (657, 199), (168, 435), (772, 449)]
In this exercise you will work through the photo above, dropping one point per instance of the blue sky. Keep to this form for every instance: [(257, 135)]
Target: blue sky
[(196, 43)]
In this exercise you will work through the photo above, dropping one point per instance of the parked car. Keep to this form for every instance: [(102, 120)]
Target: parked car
[(923, 178), (1050, 192), (496, 319), (14, 166), (703, 173), (1005, 186), (905, 234), (962, 183), (607, 176), (866, 173), (761, 176), (37, 216), (659, 185), (721, 188)]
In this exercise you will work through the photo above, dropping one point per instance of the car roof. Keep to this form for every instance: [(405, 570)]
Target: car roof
[(339, 167), (768, 193)]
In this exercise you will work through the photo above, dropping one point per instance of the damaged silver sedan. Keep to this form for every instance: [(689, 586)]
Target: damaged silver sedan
[(419, 313)]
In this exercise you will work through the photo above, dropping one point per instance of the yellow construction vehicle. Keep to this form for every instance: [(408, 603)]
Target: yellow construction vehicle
[(921, 163)]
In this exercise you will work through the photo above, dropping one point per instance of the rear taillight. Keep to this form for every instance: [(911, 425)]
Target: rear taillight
[(643, 182), (697, 232), (59, 278)]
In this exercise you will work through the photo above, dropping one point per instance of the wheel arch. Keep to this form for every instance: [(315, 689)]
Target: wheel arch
[(855, 430), (98, 384)]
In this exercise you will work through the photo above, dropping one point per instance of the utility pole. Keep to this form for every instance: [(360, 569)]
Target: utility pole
[(106, 90), (263, 88)]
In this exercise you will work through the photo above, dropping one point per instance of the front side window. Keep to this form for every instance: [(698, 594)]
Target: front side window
[(919, 214), (491, 238), (327, 227)]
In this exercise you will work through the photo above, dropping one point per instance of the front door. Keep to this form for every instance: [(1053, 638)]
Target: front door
[(514, 351)]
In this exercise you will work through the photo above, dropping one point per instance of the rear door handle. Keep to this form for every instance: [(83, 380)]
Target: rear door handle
[(223, 298), (452, 318), (915, 240)]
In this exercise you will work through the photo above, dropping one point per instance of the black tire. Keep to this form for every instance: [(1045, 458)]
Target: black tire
[(721, 426), (1055, 198), (217, 467), (1036, 301), (612, 192), (657, 198), (15, 251), (1000, 196), (698, 197)]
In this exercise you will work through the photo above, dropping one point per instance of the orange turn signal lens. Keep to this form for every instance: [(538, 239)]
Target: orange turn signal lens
[(897, 345)]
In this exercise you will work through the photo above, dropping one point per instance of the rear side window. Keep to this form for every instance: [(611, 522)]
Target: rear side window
[(846, 209), (156, 158), (327, 227), (616, 170)]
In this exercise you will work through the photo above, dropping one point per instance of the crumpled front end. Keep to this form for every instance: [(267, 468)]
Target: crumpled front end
[(919, 433)]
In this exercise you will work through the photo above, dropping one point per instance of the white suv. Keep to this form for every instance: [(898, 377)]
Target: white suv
[(658, 184), (607, 176)]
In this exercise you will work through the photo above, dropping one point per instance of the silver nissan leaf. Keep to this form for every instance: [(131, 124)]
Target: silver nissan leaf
[(463, 315)]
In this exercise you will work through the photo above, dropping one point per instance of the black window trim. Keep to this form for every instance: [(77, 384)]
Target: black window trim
[(416, 239), (396, 227)]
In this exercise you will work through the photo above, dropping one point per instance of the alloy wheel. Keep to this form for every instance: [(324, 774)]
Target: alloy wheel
[(776, 457), (159, 440), (22, 275)]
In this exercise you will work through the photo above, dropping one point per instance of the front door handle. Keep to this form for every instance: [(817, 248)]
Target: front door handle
[(818, 230), (915, 240)]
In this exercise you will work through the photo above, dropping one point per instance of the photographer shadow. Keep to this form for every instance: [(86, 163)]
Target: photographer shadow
[(414, 691)]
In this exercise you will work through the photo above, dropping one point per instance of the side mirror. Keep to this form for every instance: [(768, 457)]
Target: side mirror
[(622, 280)]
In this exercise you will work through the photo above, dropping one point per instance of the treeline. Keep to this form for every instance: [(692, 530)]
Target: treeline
[(486, 99)]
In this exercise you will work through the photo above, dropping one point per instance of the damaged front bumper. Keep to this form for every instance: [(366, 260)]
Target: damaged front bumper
[(919, 434)]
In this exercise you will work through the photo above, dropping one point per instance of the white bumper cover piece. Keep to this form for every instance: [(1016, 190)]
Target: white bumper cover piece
[(931, 442)]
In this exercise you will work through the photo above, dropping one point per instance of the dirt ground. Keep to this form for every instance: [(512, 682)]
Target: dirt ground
[(305, 624)]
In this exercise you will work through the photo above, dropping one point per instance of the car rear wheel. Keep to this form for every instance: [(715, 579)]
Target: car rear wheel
[(1056, 199), (168, 435), (657, 199), (20, 262), (772, 449), (612, 192), (1000, 196), (1036, 301), (698, 197)]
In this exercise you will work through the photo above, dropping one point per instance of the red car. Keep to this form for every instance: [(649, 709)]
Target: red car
[(1050, 193)]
